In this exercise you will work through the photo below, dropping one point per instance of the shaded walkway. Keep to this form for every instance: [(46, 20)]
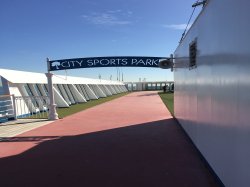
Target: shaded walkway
[(130, 141)]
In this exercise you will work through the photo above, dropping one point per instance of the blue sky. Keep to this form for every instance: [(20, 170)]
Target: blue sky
[(32, 30)]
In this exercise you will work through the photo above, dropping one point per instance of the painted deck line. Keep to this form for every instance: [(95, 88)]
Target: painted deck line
[(129, 141)]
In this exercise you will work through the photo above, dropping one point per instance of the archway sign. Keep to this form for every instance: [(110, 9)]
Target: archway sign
[(93, 62)]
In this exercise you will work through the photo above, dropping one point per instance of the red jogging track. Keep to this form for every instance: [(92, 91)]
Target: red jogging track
[(129, 142)]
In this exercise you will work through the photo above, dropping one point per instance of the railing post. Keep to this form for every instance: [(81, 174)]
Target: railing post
[(52, 106), (14, 106)]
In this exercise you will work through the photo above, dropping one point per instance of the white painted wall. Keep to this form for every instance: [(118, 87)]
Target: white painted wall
[(212, 101), (90, 92), (60, 89), (67, 90), (77, 95), (59, 100), (108, 91), (84, 92), (112, 90), (100, 91)]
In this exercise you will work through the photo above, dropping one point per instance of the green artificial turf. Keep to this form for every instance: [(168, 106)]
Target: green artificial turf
[(168, 99), (63, 112)]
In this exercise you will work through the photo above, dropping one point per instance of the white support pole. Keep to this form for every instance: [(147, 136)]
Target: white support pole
[(52, 106), (14, 106)]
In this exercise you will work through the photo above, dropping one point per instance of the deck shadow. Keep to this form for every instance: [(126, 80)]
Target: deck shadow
[(155, 154)]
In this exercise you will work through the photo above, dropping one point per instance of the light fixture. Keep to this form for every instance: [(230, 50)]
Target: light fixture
[(199, 3)]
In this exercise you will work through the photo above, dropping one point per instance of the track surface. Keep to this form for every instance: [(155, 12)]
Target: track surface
[(132, 141)]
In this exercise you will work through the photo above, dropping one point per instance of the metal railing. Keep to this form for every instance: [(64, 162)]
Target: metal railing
[(14, 107), (7, 110), (31, 106)]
